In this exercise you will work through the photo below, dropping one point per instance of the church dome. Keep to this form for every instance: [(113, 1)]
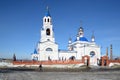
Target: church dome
[(83, 39)]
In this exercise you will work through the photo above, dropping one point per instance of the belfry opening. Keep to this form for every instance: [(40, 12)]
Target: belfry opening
[(48, 31)]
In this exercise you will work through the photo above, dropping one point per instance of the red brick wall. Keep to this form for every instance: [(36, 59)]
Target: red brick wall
[(108, 61), (47, 62), (114, 61)]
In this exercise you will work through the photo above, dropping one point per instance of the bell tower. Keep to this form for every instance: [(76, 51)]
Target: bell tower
[(48, 48), (47, 33)]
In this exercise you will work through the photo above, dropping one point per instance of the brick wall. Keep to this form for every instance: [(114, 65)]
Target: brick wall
[(105, 59), (53, 62)]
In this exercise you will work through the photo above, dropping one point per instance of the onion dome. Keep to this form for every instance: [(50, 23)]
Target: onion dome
[(83, 39)]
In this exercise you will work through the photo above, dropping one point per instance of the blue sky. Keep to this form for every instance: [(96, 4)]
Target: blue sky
[(21, 21)]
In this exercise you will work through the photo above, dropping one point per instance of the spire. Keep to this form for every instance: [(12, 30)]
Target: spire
[(93, 37), (70, 40), (77, 37), (81, 23), (47, 12), (81, 31), (69, 44), (47, 20), (47, 8), (35, 51)]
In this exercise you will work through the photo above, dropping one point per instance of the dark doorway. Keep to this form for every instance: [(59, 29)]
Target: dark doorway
[(105, 62), (72, 58), (87, 62)]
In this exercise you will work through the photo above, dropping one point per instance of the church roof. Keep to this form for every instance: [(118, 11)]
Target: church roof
[(35, 51), (47, 13), (82, 39)]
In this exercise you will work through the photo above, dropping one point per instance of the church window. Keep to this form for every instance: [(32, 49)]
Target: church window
[(45, 19), (49, 49), (92, 53), (48, 20), (48, 31), (49, 58)]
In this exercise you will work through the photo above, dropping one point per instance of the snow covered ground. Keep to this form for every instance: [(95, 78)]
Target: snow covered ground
[(37, 75), (5, 64), (33, 75)]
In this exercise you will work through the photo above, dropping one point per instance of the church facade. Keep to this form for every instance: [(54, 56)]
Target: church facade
[(47, 49)]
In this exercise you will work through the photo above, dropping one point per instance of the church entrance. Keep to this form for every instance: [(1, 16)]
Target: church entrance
[(72, 58), (86, 60), (104, 61)]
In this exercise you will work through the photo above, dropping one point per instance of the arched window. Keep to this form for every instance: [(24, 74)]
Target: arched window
[(49, 49), (45, 19), (48, 20), (49, 58), (48, 31), (92, 53)]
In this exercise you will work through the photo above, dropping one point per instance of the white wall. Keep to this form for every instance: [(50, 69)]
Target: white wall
[(66, 55), (43, 54)]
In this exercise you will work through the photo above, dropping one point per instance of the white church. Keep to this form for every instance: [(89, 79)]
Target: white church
[(47, 48)]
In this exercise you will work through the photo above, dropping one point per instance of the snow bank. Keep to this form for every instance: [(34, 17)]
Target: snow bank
[(5, 64)]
